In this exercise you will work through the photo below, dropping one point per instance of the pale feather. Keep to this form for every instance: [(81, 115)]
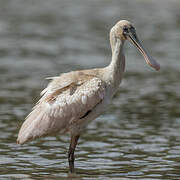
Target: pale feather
[(66, 99)]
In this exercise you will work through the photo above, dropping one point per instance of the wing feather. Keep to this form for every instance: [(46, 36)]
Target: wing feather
[(62, 105)]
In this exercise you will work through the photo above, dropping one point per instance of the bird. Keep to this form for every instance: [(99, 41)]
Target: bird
[(74, 99)]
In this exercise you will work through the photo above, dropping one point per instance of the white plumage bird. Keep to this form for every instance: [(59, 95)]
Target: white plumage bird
[(74, 99)]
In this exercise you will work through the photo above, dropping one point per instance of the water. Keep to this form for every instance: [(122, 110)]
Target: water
[(139, 136)]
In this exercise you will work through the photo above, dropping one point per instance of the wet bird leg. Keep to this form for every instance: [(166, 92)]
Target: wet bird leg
[(74, 140)]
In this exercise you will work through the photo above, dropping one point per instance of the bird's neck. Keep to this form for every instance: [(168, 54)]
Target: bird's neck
[(117, 61), (117, 64)]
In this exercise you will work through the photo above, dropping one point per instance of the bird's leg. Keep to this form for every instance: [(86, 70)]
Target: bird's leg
[(74, 140)]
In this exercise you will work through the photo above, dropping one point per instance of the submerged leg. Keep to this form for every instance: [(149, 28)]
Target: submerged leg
[(72, 147)]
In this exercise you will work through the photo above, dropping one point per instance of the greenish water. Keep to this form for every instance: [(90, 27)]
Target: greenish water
[(139, 136)]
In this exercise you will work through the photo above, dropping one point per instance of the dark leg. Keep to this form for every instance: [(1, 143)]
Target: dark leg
[(74, 140)]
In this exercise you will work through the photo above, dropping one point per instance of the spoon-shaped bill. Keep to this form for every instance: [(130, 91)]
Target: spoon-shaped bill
[(149, 60)]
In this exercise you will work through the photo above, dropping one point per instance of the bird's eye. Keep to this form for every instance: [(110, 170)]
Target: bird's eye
[(125, 29)]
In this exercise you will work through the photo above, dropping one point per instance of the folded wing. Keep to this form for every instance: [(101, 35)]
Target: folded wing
[(67, 99)]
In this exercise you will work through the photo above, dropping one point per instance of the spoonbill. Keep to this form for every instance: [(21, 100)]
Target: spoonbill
[(72, 100)]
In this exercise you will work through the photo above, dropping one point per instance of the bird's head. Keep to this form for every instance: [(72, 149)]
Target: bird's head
[(124, 30)]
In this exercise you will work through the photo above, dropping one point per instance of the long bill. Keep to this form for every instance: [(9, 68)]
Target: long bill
[(132, 37)]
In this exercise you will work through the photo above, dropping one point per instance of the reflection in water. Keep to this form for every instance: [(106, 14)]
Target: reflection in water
[(138, 137)]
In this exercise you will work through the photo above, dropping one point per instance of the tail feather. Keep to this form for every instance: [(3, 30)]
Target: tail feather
[(42, 121), (32, 127)]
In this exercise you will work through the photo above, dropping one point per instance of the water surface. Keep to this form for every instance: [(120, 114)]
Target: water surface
[(139, 136)]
